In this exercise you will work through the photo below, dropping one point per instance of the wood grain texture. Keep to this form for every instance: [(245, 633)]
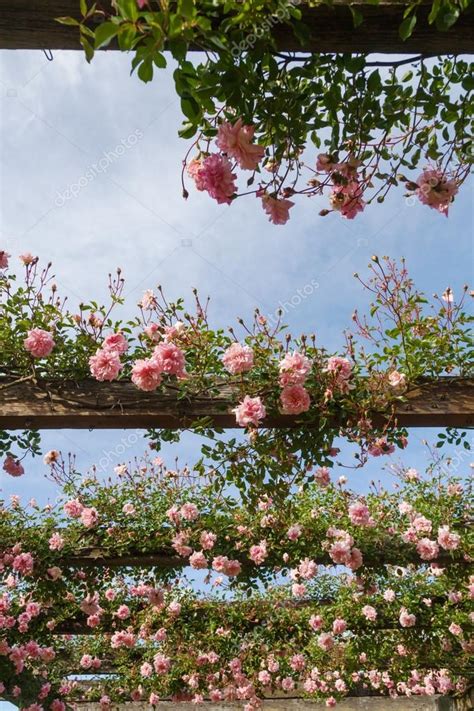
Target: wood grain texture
[(31, 25), (120, 405)]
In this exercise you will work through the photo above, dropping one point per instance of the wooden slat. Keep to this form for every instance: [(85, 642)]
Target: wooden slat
[(31, 25), (120, 405)]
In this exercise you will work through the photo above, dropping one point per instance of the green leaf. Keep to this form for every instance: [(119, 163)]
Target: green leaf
[(67, 21), (357, 16), (159, 60), (145, 70), (406, 28), (186, 8), (190, 108), (104, 34), (87, 47)]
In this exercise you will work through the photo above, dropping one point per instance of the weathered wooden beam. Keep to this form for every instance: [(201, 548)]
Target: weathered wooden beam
[(32, 25), (448, 402)]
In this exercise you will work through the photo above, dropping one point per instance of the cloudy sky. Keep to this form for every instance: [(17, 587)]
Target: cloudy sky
[(58, 119)]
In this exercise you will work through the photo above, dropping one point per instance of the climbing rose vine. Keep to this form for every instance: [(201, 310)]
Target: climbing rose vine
[(320, 630), (168, 349), (282, 125)]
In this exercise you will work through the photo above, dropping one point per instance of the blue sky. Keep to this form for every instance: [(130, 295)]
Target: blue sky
[(58, 118)]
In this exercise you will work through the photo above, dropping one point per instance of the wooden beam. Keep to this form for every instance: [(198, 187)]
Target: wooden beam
[(120, 405), (31, 25)]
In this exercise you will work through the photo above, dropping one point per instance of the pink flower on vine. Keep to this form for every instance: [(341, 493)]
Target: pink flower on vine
[(236, 140), (116, 342), (427, 549), (216, 177), (294, 369), (406, 619), (278, 209), (146, 374), (13, 467), (295, 400), (161, 663), (347, 199), (4, 259), (325, 163), (89, 517), (198, 560), (39, 342), (447, 539), (105, 365), (73, 508), (170, 359), (369, 612), (359, 514), (259, 552), (238, 359), (251, 411), (436, 190)]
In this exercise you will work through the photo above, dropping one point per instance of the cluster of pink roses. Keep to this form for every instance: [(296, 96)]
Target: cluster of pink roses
[(105, 365), (213, 173), (341, 548), (427, 548), (88, 516)]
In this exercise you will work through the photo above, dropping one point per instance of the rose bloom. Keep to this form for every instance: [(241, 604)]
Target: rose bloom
[(198, 560), (347, 199), (455, 629), (325, 163), (250, 411), (322, 477), (369, 612), (12, 466), (397, 380), (277, 209), (325, 641), (189, 511), (170, 359), (105, 365), (161, 663), (146, 374), (259, 552), (294, 400), (4, 259), (406, 619), (73, 508), (294, 532), (389, 595), (238, 359), (115, 342), (51, 457), (56, 542), (359, 514), (294, 369), (448, 540), (436, 190), (89, 517), (427, 549), (207, 540), (236, 141), (214, 174), (39, 343), (339, 625)]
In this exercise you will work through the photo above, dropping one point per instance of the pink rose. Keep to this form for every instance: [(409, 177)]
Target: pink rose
[(359, 514), (397, 380), (12, 466), (146, 374), (161, 664), (347, 199), (321, 476), (105, 365), (436, 190), (116, 342), (215, 175), (89, 517), (39, 343), (406, 619), (238, 359), (259, 553), (277, 209), (427, 549), (448, 540), (170, 359), (236, 141), (56, 542), (294, 400), (4, 259), (250, 411), (294, 532), (325, 641), (198, 560), (339, 626), (73, 508), (294, 369), (369, 612)]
